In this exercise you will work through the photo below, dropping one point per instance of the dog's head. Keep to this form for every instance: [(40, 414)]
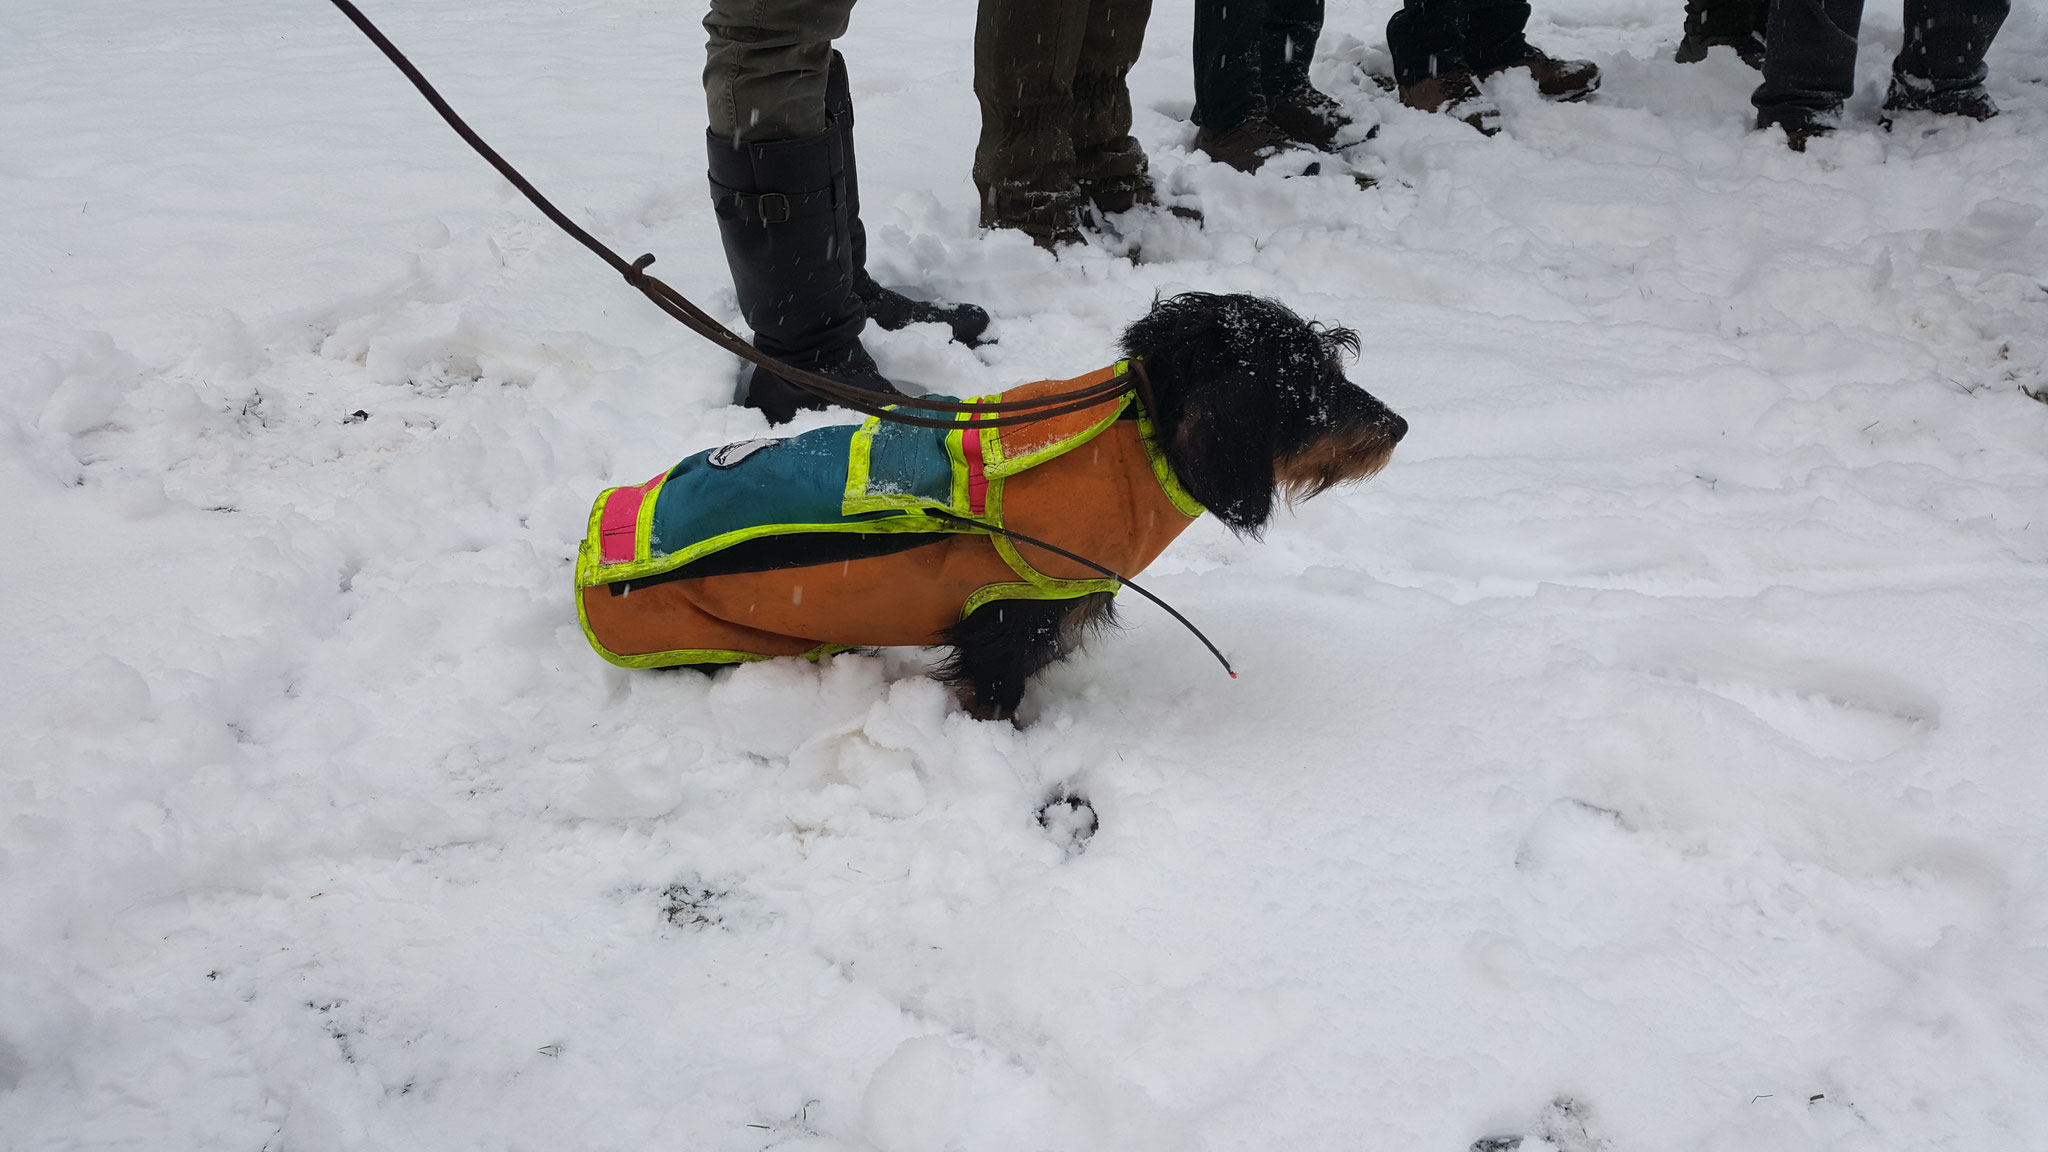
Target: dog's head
[(1253, 403)]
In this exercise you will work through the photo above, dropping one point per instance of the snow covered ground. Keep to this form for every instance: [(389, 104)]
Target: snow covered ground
[(1654, 757)]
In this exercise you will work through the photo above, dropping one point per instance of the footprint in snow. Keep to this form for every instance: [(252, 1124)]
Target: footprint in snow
[(1069, 821)]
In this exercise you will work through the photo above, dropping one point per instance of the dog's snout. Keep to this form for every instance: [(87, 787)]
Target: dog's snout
[(1396, 428)]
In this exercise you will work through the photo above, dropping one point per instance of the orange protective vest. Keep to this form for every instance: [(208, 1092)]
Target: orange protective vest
[(1092, 482)]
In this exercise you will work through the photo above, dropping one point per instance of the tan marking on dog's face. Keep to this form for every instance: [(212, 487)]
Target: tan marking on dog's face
[(1340, 456)]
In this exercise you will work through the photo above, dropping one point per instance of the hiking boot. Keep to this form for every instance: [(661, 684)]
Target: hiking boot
[(888, 308), (1051, 218), (1119, 194), (892, 310), (1457, 95), (1307, 116), (1562, 80), (1737, 24), (1246, 147), (1800, 123), (1914, 94), (1749, 46), (1104, 199), (780, 401)]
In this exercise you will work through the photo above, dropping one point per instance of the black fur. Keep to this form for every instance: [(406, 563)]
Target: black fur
[(1001, 645), (1242, 384), (1251, 403)]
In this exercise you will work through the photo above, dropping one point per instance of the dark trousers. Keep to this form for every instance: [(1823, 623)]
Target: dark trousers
[(1247, 50), (1055, 108), (1726, 21), (1433, 37), (1810, 50)]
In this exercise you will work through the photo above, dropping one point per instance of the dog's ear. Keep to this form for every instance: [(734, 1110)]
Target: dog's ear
[(1214, 387), (1222, 448)]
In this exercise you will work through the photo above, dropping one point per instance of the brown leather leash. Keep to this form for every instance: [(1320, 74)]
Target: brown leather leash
[(956, 414), (973, 414)]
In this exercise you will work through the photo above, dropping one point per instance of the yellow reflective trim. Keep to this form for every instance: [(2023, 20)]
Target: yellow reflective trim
[(680, 656), (587, 554), (1056, 588), (860, 477), (643, 522), (657, 565), (654, 659), (859, 465), (990, 593), (1162, 471), (994, 465), (1042, 587), (956, 458)]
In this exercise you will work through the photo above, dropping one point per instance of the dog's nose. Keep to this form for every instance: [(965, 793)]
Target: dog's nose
[(1396, 428)]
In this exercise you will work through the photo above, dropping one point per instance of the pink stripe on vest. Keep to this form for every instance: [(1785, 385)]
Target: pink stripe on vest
[(977, 479), (618, 525)]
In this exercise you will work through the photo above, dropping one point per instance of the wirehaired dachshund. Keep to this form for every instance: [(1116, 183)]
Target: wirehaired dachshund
[(1252, 407)]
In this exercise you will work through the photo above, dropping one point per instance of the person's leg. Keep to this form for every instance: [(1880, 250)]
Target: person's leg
[(1492, 32), (778, 178), (1025, 53), (1227, 51), (1941, 66), (1494, 43), (1427, 38), (1809, 66), (1230, 101), (766, 66), (1287, 44), (1109, 165)]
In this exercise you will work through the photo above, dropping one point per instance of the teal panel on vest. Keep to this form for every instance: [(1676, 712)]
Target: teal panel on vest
[(799, 480), (911, 461)]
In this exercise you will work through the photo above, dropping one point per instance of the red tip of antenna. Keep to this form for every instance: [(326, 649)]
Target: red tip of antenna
[(1233, 675)]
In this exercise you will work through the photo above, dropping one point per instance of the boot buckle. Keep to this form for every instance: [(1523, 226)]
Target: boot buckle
[(773, 207)]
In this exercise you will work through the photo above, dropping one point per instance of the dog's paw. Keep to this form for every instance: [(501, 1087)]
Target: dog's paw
[(1069, 821)]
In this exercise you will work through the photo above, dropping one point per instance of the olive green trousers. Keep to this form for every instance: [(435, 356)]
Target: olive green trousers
[(765, 66)]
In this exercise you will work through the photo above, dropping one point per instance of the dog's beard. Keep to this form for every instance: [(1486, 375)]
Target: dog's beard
[(1338, 456)]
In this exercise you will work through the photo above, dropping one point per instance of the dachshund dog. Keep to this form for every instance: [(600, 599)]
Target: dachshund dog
[(1238, 404), (1253, 406)]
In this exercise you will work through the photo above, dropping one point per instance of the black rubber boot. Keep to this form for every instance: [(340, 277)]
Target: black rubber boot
[(784, 216), (888, 308)]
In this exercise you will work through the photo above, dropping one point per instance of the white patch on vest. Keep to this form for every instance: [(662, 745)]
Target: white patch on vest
[(796, 594), (732, 454)]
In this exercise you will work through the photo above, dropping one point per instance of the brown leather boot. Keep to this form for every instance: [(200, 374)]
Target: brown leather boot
[(1564, 80), (1249, 145), (1913, 94), (1801, 124), (1308, 116), (1457, 95), (1051, 218)]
